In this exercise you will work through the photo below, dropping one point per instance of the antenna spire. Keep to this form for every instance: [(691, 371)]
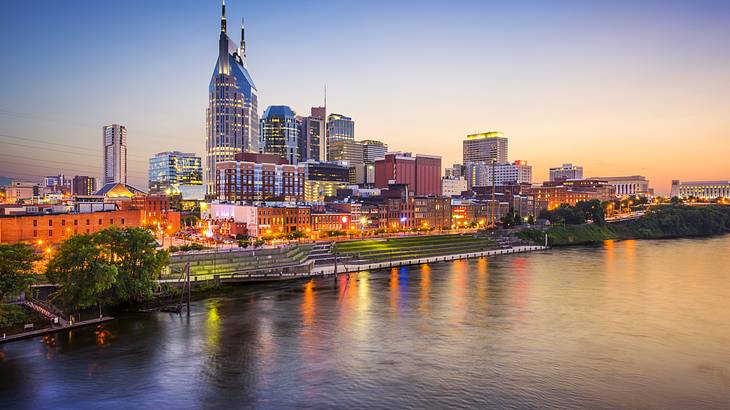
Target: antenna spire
[(223, 17), (243, 39)]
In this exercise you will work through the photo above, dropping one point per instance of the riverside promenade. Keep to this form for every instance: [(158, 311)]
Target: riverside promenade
[(349, 268), (49, 330)]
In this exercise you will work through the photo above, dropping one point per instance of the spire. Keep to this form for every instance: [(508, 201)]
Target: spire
[(243, 40), (223, 17)]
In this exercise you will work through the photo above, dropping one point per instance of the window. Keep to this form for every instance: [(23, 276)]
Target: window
[(35, 233), (122, 221), (87, 222), (63, 222), (50, 232), (50, 222), (101, 222), (111, 221), (76, 222), (35, 222)]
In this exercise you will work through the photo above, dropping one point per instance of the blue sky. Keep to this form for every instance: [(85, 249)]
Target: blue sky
[(614, 86)]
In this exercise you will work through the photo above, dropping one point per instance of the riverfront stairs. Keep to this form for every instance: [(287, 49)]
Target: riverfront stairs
[(46, 310)]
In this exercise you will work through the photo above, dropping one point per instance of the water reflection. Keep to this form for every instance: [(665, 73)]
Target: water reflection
[(626, 325)]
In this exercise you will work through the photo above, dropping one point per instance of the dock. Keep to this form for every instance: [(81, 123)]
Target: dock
[(50, 330)]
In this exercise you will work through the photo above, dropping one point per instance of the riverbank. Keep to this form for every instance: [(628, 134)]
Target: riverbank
[(661, 222)]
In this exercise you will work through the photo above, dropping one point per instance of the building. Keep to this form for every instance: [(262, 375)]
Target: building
[(451, 186), (566, 171), (311, 138), (467, 212), (707, 190), (486, 147), (421, 174), (571, 192), (372, 150), (232, 123), (115, 153), (323, 179), (168, 171), (259, 177), (339, 128), (629, 185), (261, 220), (46, 229), (56, 184), (280, 133), (332, 221), (476, 174), (19, 190), (456, 171), (479, 174), (346, 151), (83, 185)]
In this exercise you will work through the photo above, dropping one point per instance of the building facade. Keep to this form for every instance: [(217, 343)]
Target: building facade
[(707, 190), (311, 138), (566, 171), (629, 185), (372, 150), (83, 185), (339, 128), (280, 133), (232, 122), (422, 173), (168, 171), (485, 147), (451, 186), (114, 138), (254, 177)]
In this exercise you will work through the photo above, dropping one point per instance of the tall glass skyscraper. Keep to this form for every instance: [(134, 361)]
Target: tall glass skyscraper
[(339, 128), (280, 133), (232, 115)]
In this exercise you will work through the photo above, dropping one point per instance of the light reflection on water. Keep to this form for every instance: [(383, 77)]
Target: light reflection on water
[(628, 324)]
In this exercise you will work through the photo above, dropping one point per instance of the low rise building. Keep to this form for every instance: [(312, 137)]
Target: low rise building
[(629, 185), (260, 220), (707, 190), (259, 177), (453, 186)]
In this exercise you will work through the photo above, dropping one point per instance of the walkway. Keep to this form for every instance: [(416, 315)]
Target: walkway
[(49, 330)]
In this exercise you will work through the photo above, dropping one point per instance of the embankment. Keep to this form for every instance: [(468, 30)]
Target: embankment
[(660, 222)]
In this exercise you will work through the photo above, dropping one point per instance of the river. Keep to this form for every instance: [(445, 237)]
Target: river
[(626, 324)]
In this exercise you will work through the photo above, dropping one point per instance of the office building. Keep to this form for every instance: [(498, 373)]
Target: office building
[(323, 179), (232, 122), (707, 190), (280, 133), (311, 138), (339, 128), (487, 147), (83, 185), (479, 174), (346, 151), (115, 153), (168, 171), (566, 171), (254, 177), (372, 150)]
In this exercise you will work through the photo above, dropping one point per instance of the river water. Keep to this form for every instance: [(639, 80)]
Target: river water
[(630, 324)]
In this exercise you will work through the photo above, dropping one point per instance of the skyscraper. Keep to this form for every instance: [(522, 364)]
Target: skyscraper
[(372, 150), (280, 133), (232, 116), (115, 153), (339, 128), (566, 171), (486, 147), (83, 185)]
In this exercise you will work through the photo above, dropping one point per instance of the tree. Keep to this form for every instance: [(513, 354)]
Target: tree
[(108, 267), (83, 274), (591, 210), (134, 253), (509, 220), (16, 268)]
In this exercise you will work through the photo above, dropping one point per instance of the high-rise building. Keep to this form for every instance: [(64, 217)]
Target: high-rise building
[(168, 171), (566, 171), (115, 153), (339, 128), (83, 185), (320, 113), (350, 152), (480, 174), (372, 150), (232, 115), (311, 138), (280, 133), (487, 147)]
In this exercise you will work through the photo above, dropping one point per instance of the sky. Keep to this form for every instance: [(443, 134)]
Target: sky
[(621, 88)]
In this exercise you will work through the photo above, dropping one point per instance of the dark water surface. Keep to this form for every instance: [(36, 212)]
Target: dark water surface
[(633, 324)]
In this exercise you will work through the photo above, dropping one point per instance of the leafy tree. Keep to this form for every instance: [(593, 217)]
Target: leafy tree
[(510, 219), (108, 267), (134, 252), (84, 275), (531, 220), (591, 210), (16, 268)]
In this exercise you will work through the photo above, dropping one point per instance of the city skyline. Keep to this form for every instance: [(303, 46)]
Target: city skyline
[(606, 87)]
